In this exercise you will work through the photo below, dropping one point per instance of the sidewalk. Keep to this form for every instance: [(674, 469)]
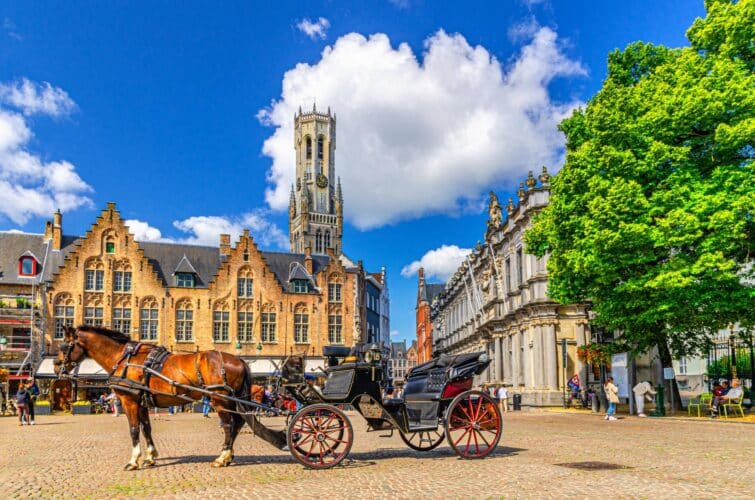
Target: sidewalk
[(749, 418)]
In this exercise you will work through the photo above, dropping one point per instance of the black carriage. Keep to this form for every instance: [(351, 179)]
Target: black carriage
[(437, 403)]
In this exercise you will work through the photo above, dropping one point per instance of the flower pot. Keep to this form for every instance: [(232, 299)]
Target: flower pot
[(81, 409)]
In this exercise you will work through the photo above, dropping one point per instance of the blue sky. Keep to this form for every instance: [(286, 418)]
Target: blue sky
[(181, 113)]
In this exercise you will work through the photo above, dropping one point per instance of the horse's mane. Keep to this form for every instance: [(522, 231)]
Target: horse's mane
[(111, 334)]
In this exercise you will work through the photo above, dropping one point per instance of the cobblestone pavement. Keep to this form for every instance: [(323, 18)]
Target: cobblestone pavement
[(82, 457)]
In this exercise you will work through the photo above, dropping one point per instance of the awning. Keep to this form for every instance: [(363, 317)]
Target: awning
[(262, 366), (46, 369), (89, 369), (315, 366)]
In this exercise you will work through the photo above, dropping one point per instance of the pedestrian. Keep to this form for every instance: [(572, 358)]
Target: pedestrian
[(206, 407), (642, 391), (22, 404), (115, 402), (33, 389), (503, 399), (612, 394)]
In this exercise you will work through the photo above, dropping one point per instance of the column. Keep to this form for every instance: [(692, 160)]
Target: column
[(551, 363), (539, 365), (516, 359), (498, 359), (581, 367)]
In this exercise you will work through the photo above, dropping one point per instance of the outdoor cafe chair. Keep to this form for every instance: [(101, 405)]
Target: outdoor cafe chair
[(704, 400)]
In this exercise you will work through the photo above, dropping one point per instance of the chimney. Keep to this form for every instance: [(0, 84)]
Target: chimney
[(225, 244), (308, 259), (57, 230)]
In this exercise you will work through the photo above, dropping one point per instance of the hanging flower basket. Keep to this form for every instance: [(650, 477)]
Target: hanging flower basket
[(594, 354)]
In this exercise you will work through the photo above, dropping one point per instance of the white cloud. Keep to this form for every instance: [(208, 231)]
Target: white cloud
[(450, 127), (314, 30), (206, 230), (32, 98), (440, 263), (29, 186)]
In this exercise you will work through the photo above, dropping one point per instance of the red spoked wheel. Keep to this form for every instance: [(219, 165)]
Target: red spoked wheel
[(473, 424), (320, 436)]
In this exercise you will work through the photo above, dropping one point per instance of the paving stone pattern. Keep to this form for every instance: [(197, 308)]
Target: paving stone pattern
[(82, 457)]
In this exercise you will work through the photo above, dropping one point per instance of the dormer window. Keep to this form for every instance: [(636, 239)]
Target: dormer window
[(300, 286), (27, 266), (185, 280)]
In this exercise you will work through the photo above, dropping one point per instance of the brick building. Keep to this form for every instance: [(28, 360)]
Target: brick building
[(426, 293)]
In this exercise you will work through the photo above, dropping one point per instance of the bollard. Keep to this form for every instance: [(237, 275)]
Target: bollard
[(660, 404), (517, 402)]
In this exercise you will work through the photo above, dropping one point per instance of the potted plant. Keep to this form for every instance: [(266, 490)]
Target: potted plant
[(42, 408), (81, 408)]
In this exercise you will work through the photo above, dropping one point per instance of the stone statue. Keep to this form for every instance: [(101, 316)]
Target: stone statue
[(494, 211)]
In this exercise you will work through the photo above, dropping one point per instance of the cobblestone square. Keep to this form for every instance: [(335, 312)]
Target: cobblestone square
[(82, 457)]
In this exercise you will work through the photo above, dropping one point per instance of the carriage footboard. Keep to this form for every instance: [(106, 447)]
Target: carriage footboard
[(275, 438)]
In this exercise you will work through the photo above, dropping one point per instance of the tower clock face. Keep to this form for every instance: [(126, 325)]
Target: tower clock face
[(322, 181)]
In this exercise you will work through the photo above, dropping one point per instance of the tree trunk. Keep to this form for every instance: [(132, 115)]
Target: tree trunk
[(665, 355)]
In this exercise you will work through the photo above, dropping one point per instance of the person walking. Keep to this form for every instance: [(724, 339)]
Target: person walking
[(503, 398), (642, 391), (22, 404), (206, 407), (612, 394), (33, 389)]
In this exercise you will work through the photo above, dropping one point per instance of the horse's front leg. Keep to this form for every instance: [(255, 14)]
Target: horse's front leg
[(131, 409), (228, 424), (147, 431)]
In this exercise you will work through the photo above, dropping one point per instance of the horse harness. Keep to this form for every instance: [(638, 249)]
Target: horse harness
[(154, 363)]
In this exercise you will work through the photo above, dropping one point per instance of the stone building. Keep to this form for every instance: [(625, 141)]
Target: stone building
[(496, 301), (426, 292), (232, 297)]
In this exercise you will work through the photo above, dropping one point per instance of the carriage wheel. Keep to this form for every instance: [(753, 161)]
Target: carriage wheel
[(320, 436), (423, 440), (473, 424)]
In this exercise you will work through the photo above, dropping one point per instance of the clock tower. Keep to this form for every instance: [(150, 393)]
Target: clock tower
[(315, 213)]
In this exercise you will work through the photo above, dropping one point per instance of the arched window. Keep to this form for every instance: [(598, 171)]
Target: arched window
[(244, 284), (148, 319), (301, 324), (245, 325), (220, 319), (308, 143), (122, 315), (318, 242), (184, 322), (63, 314), (268, 321), (122, 277), (94, 275), (93, 313), (334, 288)]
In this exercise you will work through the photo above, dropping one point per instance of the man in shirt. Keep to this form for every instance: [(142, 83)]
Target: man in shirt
[(735, 393), (642, 391)]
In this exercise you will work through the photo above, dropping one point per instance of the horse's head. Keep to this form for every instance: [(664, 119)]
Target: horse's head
[(71, 352)]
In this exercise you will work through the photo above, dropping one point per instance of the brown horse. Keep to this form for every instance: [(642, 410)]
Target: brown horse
[(220, 372)]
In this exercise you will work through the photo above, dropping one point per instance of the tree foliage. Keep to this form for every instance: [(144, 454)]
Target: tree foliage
[(651, 217)]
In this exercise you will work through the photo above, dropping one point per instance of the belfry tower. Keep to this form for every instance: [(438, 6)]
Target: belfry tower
[(315, 213)]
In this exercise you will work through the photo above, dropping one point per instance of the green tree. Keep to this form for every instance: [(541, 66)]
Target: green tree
[(651, 216)]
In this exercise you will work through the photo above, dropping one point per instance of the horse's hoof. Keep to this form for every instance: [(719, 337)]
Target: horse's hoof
[(131, 467)]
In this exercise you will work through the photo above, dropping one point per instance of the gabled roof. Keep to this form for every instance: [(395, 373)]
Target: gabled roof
[(184, 266), (12, 247)]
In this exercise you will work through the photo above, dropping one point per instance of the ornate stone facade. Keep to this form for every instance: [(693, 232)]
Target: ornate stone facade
[(497, 302)]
